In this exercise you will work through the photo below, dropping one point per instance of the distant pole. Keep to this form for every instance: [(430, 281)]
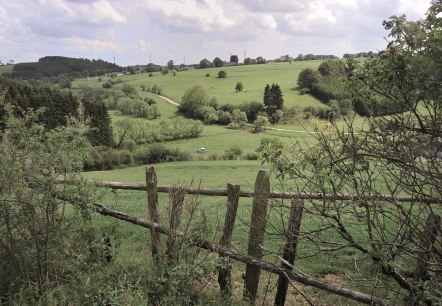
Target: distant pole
[(114, 60), (184, 57), (150, 57)]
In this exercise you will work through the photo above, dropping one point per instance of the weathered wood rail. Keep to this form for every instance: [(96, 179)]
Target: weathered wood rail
[(253, 260)]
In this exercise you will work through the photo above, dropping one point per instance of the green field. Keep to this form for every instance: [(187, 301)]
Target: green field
[(6, 68), (253, 77)]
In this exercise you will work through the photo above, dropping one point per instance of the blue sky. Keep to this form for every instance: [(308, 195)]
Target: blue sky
[(133, 31)]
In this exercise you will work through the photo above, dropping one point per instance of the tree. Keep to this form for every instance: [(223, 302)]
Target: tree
[(239, 87), (46, 235), (396, 155), (273, 100), (307, 78), (170, 65), (193, 99), (204, 63), (261, 60), (218, 62), (222, 74), (234, 59), (334, 68)]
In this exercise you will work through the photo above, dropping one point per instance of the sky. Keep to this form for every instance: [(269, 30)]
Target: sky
[(186, 31)]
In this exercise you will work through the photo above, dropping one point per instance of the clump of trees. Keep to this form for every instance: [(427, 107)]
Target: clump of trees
[(54, 66), (46, 237), (61, 105), (327, 83)]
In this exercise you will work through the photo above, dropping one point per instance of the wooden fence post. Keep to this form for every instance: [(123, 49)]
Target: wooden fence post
[(224, 273), (152, 205), (256, 235), (289, 254), (176, 200)]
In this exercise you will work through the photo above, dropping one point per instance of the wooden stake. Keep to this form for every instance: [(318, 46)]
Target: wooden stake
[(224, 273), (152, 205), (289, 254), (256, 234)]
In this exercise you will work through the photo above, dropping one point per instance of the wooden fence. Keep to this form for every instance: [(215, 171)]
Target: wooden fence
[(253, 258)]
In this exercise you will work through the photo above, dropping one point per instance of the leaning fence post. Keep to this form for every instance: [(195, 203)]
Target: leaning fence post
[(152, 205), (289, 253), (256, 235), (176, 200), (224, 273)]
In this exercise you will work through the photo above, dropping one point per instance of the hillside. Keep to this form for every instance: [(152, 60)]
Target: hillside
[(253, 77), (54, 66)]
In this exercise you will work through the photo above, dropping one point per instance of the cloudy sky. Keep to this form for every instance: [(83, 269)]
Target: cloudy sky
[(133, 31)]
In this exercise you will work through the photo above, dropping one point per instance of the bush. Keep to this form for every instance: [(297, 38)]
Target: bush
[(104, 158), (207, 75), (251, 156), (222, 74), (158, 153), (232, 153)]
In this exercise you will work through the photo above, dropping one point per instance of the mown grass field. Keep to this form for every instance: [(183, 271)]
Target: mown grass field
[(253, 77)]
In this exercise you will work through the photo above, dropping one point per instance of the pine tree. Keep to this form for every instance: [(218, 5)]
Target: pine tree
[(273, 100)]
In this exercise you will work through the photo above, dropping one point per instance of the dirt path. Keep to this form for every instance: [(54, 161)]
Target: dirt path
[(166, 99)]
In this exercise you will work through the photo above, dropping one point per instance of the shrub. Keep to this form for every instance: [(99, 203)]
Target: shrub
[(222, 74), (232, 153), (251, 156), (207, 75), (157, 153)]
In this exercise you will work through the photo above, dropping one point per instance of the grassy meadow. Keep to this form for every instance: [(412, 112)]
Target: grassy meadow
[(133, 245), (6, 68), (253, 77)]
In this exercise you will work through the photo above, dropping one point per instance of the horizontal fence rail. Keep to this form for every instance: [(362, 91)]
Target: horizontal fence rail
[(272, 195)]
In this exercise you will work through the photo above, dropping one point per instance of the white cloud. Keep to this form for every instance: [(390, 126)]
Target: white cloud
[(206, 15)]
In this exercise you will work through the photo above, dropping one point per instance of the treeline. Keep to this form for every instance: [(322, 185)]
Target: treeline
[(55, 66), (59, 106)]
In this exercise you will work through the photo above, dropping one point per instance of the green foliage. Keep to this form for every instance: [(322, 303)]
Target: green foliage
[(239, 87), (204, 63), (129, 90), (273, 100), (270, 143), (232, 153), (222, 74), (170, 65), (260, 123), (308, 77), (50, 66), (143, 133), (45, 230), (332, 68), (193, 99), (217, 62)]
